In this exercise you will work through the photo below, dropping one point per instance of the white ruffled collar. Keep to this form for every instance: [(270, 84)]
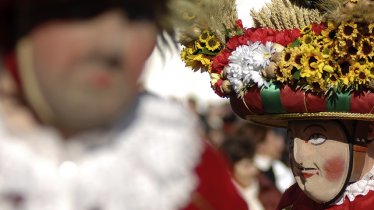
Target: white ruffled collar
[(148, 165), (361, 187)]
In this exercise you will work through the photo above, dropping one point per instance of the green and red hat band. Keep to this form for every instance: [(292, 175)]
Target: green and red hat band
[(283, 100)]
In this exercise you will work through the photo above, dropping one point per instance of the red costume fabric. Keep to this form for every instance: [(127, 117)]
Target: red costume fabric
[(269, 195), (215, 190), (295, 199)]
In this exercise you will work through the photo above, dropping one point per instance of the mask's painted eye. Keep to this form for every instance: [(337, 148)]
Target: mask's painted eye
[(317, 139)]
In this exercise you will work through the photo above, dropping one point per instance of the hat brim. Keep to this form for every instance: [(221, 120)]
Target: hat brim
[(281, 120)]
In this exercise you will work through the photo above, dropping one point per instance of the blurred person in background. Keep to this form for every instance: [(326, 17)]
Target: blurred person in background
[(258, 191), (75, 133), (220, 121), (270, 145), (213, 120)]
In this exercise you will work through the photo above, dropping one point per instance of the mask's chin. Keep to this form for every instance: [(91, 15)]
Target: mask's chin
[(318, 187), (318, 192)]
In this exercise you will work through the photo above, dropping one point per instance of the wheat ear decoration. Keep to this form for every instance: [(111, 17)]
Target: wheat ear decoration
[(213, 15), (285, 14), (274, 17), (302, 20), (256, 18), (223, 15), (345, 10)]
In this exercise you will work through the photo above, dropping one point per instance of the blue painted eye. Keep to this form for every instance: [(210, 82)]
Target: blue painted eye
[(317, 139)]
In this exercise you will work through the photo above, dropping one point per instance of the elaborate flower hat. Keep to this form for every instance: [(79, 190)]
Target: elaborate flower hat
[(302, 60)]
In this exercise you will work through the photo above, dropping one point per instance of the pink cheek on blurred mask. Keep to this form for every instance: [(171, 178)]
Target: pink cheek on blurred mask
[(100, 80), (334, 168)]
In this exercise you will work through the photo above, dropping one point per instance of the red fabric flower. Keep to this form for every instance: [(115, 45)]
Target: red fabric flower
[(233, 43), (243, 40), (218, 88), (239, 23), (281, 38), (259, 35), (286, 37), (318, 28), (295, 34), (264, 35), (220, 61)]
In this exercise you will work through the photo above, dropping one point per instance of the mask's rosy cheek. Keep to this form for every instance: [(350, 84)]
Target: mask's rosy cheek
[(334, 168), (100, 80)]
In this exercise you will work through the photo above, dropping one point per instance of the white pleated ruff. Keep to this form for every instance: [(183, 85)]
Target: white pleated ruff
[(147, 166), (361, 187)]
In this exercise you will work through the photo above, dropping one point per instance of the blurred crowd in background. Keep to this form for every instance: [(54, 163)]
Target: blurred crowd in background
[(256, 155)]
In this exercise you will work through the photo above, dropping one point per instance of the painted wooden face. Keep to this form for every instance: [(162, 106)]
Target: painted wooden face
[(319, 157)]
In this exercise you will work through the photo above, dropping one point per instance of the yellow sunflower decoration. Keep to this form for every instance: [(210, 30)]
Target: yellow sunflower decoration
[(338, 58), (198, 53)]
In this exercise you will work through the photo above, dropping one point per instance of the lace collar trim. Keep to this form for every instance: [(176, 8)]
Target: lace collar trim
[(152, 159), (361, 187)]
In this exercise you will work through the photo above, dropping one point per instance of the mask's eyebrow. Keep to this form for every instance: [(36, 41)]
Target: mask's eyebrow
[(314, 125)]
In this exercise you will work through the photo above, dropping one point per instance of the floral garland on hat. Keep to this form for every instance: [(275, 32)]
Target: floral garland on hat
[(339, 59), (324, 58), (246, 59)]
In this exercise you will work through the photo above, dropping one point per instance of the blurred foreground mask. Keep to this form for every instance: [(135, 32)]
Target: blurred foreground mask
[(84, 74)]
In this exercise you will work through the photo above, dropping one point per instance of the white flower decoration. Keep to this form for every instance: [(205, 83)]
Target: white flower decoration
[(246, 63)]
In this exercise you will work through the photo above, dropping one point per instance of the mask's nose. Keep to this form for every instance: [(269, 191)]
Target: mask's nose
[(302, 151)]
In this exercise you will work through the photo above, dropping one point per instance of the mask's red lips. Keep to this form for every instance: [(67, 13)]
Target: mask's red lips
[(309, 172), (305, 172), (308, 175)]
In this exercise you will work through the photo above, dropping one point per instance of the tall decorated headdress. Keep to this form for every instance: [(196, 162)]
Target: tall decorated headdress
[(301, 60)]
